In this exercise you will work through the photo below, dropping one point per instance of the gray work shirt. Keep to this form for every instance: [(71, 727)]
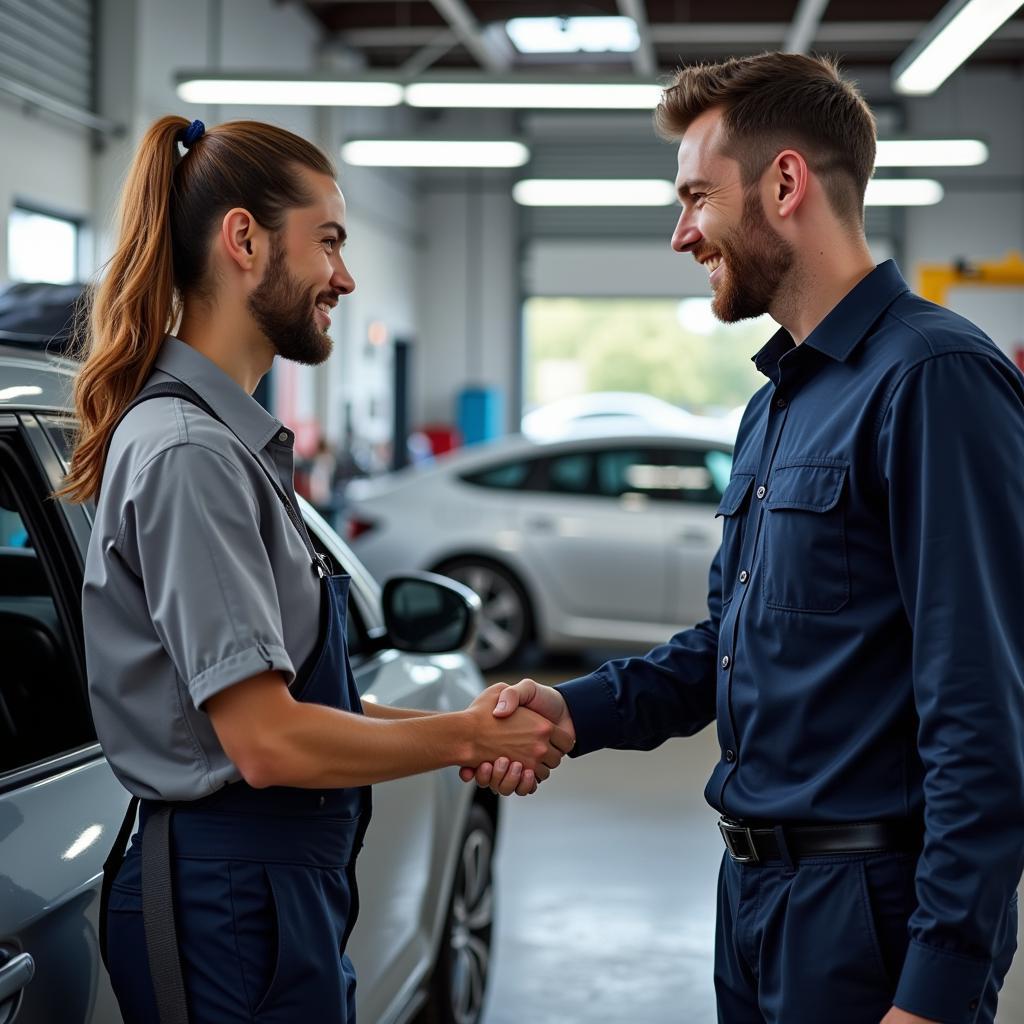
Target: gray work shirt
[(195, 579)]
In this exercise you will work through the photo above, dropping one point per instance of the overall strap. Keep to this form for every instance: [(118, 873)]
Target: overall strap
[(111, 866), (176, 389)]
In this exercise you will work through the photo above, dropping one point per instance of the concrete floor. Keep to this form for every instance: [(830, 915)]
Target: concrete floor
[(606, 892)]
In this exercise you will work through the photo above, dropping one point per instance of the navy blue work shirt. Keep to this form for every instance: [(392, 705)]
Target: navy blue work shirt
[(864, 654)]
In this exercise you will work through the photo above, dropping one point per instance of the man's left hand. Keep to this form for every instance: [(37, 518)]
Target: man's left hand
[(898, 1016)]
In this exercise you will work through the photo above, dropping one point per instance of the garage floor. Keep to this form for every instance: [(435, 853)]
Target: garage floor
[(607, 892)]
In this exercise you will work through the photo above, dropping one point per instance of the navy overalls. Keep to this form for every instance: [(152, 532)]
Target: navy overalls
[(264, 886)]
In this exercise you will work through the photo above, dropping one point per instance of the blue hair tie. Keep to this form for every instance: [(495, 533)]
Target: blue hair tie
[(190, 135)]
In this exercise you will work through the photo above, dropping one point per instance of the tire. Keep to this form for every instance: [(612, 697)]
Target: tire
[(459, 982), (505, 620)]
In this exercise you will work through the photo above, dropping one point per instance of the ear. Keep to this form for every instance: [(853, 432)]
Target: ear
[(789, 177), (238, 230)]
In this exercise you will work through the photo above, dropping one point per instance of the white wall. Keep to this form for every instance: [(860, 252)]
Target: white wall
[(467, 292), (47, 164), (982, 215)]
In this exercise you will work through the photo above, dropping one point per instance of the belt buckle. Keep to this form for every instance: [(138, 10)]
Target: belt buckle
[(730, 832)]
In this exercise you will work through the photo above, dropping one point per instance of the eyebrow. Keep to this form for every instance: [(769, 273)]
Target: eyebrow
[(342, 233)]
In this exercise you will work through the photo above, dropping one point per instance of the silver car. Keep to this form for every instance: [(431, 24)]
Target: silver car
[(594, 540), (423, 938)]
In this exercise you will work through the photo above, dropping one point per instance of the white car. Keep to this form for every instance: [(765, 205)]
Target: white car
[(608, 412), (592, 541)]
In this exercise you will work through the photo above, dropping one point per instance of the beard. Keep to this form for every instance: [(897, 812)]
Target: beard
[(284, 311), (757, 261)]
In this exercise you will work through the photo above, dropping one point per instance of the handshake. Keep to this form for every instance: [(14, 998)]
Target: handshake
[(522, 734)]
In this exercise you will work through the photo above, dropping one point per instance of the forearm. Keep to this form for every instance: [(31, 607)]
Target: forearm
[(317, 747), (387, 713)]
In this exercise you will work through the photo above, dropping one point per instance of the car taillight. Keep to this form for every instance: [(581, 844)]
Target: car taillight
[(357, 527)]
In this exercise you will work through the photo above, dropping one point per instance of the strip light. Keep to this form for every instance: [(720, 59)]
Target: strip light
[(956, 32), (291, 92), (535, 95), (931, 153), (593, 192), (573, 35), (434, 153), (903, 192)]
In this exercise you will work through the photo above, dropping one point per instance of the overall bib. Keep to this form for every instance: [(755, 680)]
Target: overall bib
[(261, 883)]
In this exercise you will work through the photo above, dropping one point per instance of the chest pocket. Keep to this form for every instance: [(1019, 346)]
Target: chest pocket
[(732, 509), (805, 561)]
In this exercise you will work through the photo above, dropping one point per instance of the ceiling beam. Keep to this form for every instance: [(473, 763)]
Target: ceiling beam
[(645, 62), (485, 47), (804, 28), (765, 34)]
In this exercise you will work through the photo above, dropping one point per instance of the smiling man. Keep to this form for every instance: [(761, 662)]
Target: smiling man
[(863, 656), (215, 634)]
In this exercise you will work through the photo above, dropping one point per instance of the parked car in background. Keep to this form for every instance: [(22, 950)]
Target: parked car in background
[(590, 541), (423, 937), (610, 412)]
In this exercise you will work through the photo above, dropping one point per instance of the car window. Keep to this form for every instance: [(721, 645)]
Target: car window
[(695, 475), (509, 476), (43, 711), (571, 474)]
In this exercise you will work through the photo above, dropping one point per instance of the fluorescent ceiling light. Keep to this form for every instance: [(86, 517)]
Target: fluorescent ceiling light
[(292, 92), (956, 32), (538, 95), (931, 153), (434, 153), (903, 192), (573, 35), (593, 192)]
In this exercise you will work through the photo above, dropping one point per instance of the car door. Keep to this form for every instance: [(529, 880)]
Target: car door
[(415, 820), (594, 537), (60, 805), (695, 475)]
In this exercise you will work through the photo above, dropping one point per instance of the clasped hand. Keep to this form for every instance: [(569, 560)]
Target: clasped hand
[(508, 773)]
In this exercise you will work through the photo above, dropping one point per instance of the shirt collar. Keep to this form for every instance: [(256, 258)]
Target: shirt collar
[(243, 415), (848, 322)]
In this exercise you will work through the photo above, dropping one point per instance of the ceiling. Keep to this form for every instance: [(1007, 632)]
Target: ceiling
[(414, 35)]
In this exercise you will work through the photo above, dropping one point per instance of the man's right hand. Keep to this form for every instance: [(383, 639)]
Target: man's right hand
[(503, 776)]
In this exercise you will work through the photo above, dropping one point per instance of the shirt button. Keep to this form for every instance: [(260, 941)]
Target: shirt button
[(321, 801), (762, 491), (744, 576), (780, 403), (730, 756), (725, 661)]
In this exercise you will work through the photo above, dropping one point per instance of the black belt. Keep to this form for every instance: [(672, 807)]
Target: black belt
[(753, 844)]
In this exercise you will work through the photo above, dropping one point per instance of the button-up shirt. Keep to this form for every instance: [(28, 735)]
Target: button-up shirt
[(864, 652), (195, 578)]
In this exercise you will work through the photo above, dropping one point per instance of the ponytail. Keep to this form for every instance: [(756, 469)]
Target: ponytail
[(131, 311), (169, 207)]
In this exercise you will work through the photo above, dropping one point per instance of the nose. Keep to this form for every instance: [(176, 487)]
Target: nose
[(687, 235), (341, 280)]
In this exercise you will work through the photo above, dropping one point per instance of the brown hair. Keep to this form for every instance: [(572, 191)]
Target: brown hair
[(779, 100), (169, 207)]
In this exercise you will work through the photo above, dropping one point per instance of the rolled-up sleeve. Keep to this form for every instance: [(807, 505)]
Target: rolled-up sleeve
[(951, 451), (190, 533)]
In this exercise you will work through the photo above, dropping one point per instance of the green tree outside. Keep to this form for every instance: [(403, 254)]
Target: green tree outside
[(640, 345)]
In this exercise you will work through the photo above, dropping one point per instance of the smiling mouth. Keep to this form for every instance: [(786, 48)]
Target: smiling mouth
[(712, 263), (325, 311)]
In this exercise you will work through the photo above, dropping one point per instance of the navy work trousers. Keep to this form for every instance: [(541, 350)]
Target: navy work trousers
[(823, 940)]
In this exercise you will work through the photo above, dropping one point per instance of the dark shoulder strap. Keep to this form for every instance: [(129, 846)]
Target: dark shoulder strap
[(176, 389)]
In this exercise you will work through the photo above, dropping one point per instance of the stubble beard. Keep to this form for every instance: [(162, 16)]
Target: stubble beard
[(757, 263), (283, 310)]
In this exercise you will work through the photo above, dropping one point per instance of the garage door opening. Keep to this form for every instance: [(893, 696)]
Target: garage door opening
[(674, 350)]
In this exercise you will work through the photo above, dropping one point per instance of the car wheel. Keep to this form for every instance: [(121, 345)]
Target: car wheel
[(459, 982), (504, 617)]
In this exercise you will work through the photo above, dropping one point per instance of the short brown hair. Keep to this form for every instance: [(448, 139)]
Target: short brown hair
[(778, 100)]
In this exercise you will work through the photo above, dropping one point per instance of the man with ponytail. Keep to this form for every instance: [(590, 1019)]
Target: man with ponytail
[(215, 632)]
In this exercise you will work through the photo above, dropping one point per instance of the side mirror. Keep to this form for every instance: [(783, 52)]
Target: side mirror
[(429, 614)]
